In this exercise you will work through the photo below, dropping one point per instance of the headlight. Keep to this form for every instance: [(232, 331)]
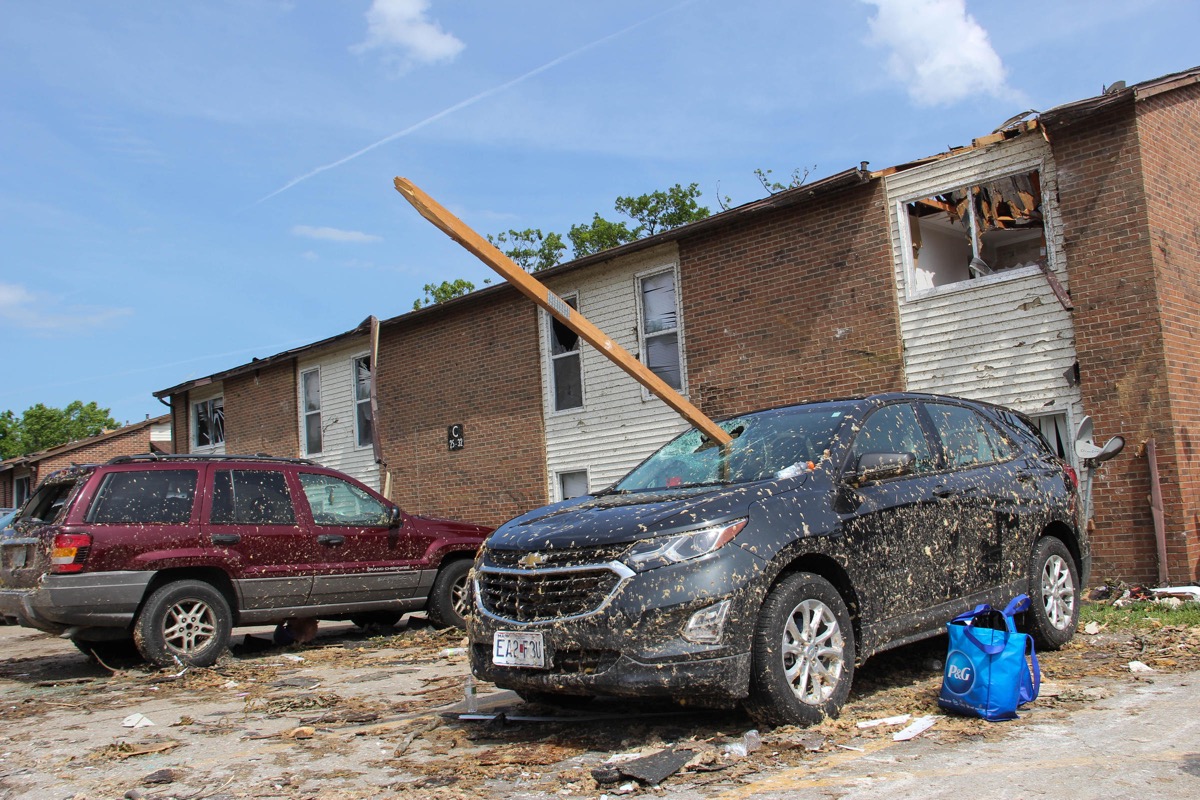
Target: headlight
[(659, 552)]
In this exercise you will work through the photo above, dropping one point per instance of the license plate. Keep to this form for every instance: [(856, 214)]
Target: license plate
[(513, 649)]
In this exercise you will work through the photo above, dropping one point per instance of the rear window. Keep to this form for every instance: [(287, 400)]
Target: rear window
[(47, 502), (161, 496)]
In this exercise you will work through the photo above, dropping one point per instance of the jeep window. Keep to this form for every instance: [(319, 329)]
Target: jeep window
[(336, 502), (767, 445), (209, 422), (251, 497), (967, 438), (894, 429), (145, 497), (47, 502)]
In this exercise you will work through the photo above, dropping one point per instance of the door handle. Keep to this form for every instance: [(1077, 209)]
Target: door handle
[(226, 538), (331, 539)]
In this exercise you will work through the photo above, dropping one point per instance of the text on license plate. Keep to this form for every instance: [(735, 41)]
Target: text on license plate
[(518, 649)]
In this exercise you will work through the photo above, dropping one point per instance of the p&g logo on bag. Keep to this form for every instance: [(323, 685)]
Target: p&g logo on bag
[(960, 672)]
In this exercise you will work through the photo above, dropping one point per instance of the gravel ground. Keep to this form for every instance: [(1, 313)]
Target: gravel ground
[(357, 715)]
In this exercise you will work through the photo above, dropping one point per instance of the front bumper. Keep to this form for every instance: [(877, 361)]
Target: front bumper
[(631, 641), (92, 600)]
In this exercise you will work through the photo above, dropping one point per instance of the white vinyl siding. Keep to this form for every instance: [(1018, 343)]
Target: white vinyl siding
[(339, 410), (618, 425), (1003, 337)]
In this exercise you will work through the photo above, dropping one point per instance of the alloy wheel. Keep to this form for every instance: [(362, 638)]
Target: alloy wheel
[(1058, 592), (813, 652), (189, 625)]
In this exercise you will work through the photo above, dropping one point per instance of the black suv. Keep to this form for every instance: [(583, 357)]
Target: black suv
[(764, 570), (170, 552)]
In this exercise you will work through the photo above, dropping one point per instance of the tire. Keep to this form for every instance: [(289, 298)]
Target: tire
[(1054, 594), (802, 654), (111, 653), (186, 622), (450, 599)]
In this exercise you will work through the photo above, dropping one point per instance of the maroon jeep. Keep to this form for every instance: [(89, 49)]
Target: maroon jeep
[(169, 553)]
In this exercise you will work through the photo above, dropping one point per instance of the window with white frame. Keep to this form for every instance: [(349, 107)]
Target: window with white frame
[(565, 365), (659, 327), (310, 390), (362, 401), (968, 232), (208, 422), (572, 484)]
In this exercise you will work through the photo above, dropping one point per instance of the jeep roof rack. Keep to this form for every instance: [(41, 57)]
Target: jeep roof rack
[(208, 457)]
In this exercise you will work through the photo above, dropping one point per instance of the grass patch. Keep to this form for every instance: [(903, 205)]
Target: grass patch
[(1140, 614)]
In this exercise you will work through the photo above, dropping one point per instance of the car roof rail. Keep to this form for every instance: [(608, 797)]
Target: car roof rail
[(151, 457)]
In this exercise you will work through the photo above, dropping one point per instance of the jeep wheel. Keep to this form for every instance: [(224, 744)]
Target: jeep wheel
[(186, 622), (1054, 592), (803, 653), (450, 599)]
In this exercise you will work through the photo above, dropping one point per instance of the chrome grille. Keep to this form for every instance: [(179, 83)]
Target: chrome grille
[(540, 595), (548, 558)]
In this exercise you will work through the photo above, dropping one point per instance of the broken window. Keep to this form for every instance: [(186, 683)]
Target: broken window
[(973, 231), (660, 328), (572, 484), (208, 421), (565, 365), (362, 401), (340, 503), (310, 386)]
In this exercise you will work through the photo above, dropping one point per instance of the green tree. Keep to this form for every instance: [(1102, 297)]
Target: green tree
[(441, 292), (661, 211), (42, 427), (600, 235), (530, 249)]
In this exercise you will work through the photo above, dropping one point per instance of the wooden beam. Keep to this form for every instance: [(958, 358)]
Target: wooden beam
[(535, 290)]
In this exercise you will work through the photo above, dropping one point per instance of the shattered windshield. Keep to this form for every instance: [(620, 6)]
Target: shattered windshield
[(766, 446)]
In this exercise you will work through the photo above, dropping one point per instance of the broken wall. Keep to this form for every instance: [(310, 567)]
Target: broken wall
[(792, 305)]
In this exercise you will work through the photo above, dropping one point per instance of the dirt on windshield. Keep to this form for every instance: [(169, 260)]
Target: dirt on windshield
[(358, 714)]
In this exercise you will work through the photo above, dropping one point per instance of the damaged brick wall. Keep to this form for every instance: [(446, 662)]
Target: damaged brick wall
[(1167, 127), (261, 411), (791, 306), (1118, 332), (476, 364)]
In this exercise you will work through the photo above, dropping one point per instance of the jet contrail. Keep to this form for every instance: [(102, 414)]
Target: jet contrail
[(472, 100)]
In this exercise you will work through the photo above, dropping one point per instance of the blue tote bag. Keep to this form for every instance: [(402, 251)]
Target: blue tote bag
[(989, 673)]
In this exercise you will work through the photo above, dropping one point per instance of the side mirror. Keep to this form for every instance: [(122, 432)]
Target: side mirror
[(395, 518), (1087, 450), (878, 466)]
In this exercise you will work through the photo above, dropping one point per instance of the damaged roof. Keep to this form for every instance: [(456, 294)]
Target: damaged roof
[(1069, 113)]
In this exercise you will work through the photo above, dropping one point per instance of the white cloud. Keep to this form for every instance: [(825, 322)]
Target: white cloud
[(937, 49), (403, 24), (44, 314), (334, 234)]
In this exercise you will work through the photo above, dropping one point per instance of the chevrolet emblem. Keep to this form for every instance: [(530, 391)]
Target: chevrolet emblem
[(533, 560)]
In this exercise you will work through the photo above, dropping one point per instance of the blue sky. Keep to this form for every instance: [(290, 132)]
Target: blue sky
[(186, 186)]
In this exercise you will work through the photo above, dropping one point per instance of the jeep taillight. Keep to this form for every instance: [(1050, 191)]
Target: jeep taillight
[(69, 552), (1073, 475)]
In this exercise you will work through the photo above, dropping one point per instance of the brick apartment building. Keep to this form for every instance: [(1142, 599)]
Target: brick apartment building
[(1082, 297), (19, 476)]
